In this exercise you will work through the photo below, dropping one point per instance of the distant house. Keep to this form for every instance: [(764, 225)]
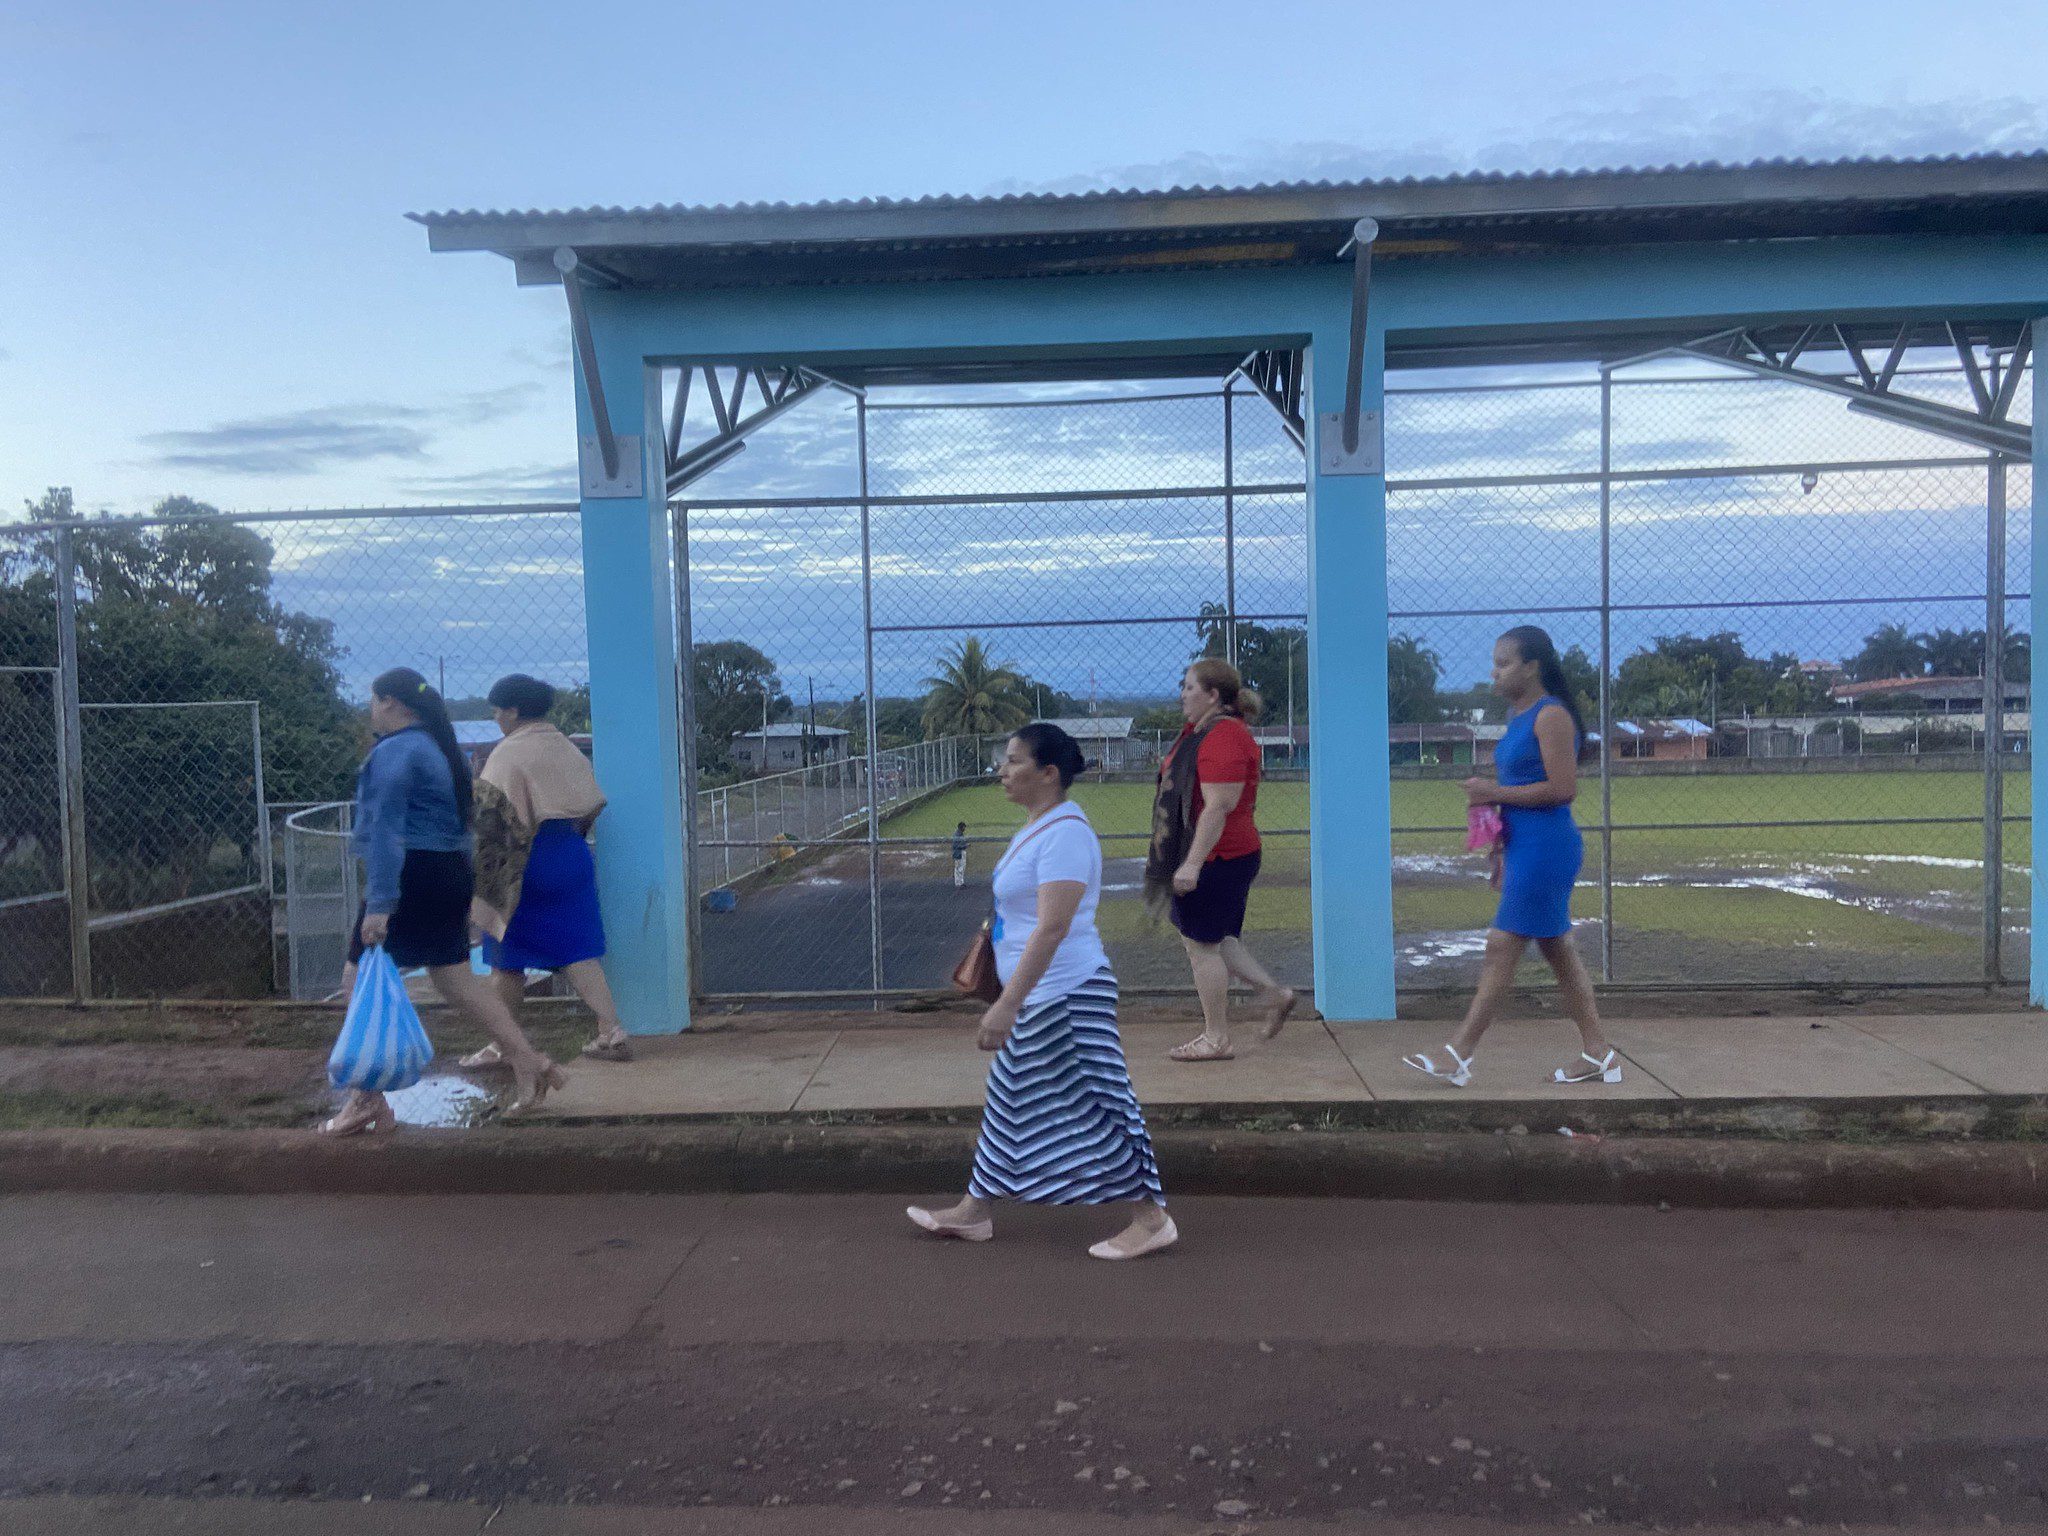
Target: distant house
[(1678, 740), (1105, 740), (1440, 743), (1940, 695), (782, 746), (1280, 748)]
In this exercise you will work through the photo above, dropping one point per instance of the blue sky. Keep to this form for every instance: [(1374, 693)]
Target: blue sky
[(212, 290)]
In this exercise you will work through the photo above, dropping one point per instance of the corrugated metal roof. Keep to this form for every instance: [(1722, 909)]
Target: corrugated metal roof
[(937, 201), (1276, 224)]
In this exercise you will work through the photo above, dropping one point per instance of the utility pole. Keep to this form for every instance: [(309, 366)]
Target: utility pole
[(811, 721), (1291, 644)]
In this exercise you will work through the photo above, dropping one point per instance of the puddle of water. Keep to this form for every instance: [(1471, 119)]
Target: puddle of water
[(443, 1101), (1428, 948), (1436, 864)]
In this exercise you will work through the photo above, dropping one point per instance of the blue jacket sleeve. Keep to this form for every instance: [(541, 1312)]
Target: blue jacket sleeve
[(380, 812)]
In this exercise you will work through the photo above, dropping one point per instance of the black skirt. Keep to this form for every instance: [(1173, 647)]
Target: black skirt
[(1214, 910), (430, 925)]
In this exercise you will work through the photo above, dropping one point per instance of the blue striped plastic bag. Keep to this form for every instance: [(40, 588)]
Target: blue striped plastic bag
[(382, 1046)]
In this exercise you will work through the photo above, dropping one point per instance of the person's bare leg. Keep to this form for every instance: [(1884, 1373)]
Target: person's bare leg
[(1575, 992), (1212, 987), (1275, 1000), (532, 1073), (511, 989), (1496, 980), (588, 978)]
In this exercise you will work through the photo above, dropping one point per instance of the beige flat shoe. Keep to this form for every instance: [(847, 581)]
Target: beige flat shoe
[(968, 1232), (1201, 1048), (1111, 1248)]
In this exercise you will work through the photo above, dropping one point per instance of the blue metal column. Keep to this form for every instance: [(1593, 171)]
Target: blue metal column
[(1351, 862), (630, 618), (2037, 613)]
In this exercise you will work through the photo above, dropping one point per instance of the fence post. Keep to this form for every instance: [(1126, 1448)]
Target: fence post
[(867, 628), (686, 729), (1606, 673), (71, 771), (1994, 720), (264, 860), (1229, 530)]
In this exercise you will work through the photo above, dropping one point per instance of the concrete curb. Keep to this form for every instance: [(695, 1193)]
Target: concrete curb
[(900, 1159)]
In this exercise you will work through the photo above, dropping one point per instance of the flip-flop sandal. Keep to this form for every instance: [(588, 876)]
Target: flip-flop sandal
[(1201, 1048), (608, 1050), (1277, 1020), (489, 1056)]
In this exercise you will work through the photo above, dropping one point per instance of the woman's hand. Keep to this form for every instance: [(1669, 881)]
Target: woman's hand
[(1481, 792), (1186, 878), (996, 1025), (376, 925)]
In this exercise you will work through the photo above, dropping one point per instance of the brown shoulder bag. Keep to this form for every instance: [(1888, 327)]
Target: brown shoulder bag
[(975, 976)]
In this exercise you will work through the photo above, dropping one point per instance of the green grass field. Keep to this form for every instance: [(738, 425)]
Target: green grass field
[(1908, 895)]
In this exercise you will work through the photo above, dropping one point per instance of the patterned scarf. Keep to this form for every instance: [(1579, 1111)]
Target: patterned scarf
[(1173, 819)]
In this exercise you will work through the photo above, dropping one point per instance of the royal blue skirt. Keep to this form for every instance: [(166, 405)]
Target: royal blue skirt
[(556, 923), (1539, 866)]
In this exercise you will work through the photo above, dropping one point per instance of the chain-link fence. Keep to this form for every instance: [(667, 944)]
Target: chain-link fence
[(1799, 635), (993, 562), (1775, 617), (220, 665)]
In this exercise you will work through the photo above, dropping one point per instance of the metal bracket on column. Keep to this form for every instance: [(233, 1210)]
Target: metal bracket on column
[(1350, 441), (608, 462)]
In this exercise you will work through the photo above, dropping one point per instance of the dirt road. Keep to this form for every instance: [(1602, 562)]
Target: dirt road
[(1315, 1361)]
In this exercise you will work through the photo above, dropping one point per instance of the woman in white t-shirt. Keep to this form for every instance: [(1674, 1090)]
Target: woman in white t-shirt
[(1061, 1125)]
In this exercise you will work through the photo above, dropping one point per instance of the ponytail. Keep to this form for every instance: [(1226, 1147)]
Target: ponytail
[(1227, 683), (1534, 644), (404, 686)]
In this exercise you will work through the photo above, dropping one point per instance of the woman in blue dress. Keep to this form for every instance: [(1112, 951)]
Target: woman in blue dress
[(1536, 862)]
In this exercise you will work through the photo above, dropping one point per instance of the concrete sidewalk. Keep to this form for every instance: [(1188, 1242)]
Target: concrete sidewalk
[(1844, 1056)]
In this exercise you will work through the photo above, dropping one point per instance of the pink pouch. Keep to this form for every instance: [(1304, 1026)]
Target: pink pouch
[(1482, 827)]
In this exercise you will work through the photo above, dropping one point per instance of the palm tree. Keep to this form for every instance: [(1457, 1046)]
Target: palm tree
[(973, 695), (1954, 652)]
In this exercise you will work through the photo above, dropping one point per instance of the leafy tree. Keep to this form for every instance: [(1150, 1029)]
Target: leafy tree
[(175, 614), (972, 694), (1265, 653), (1888, 652), (730, 679), (1952, 652), (1712, 676), (1413, 671)]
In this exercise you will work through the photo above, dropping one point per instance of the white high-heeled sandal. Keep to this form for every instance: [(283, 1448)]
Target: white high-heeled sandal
[(1458, 1074), (1603, 1069)]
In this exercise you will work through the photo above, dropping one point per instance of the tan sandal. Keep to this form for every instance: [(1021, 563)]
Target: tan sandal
[(549, 1077), (1284, 1010), (1201, 1048), (489, 1056), (615, 1049)]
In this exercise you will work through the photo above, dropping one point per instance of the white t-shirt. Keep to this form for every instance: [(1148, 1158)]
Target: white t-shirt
[(1060, 846)]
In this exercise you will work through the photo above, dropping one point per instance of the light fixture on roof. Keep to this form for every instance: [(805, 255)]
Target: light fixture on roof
[(1808, 481)]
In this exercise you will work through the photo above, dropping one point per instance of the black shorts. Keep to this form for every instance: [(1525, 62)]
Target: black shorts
[(1214, 910), (430, 925)]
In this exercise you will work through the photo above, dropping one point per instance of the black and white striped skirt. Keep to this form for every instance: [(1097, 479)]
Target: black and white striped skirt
[(1062, 1125)]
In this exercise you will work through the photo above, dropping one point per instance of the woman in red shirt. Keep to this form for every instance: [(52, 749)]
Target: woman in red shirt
[(1205, 849)]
